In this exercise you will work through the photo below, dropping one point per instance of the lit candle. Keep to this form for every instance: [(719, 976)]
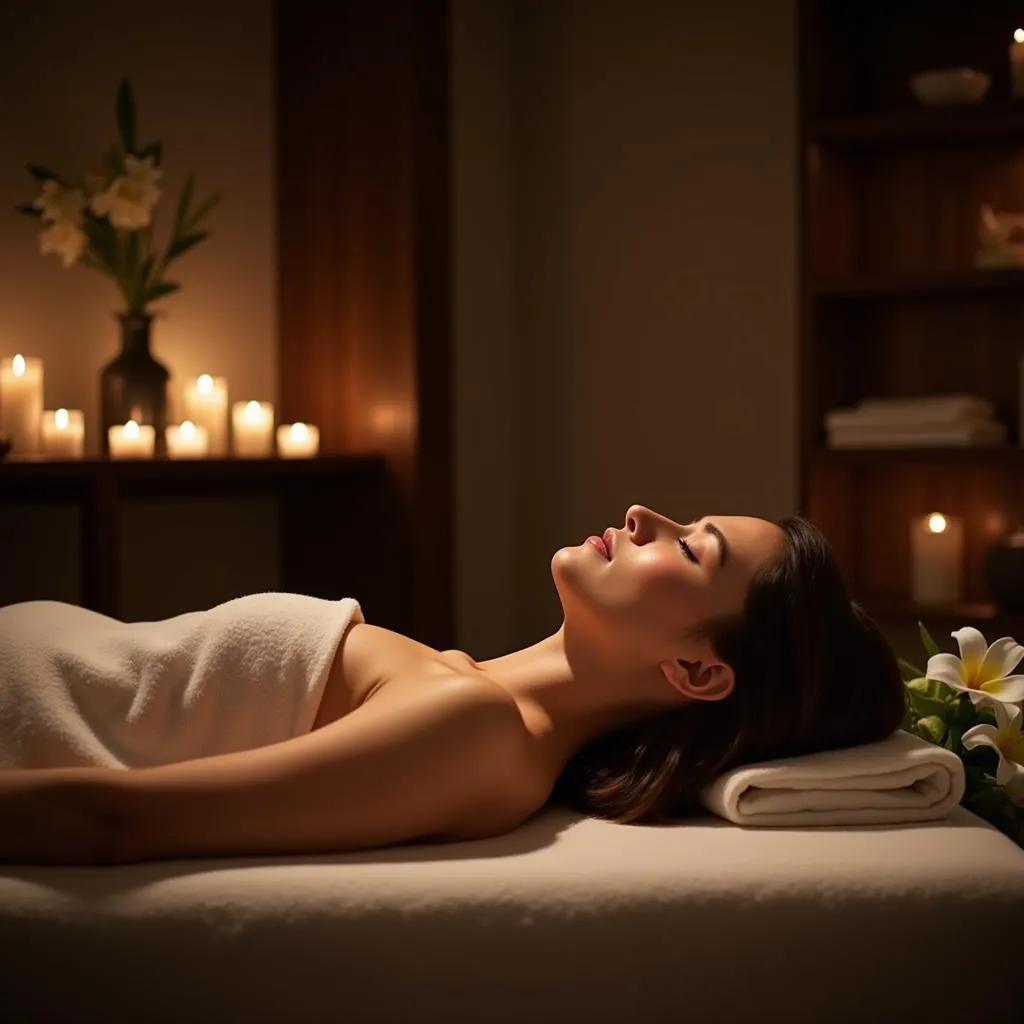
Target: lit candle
[(187, 441), (297, 441), (205, 403), (936, 557), (132, 441), (1017, 64), (253, 427), (21, 403), (63, 433)]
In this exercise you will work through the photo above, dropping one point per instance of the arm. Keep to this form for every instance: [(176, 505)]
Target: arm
[(404, 766)]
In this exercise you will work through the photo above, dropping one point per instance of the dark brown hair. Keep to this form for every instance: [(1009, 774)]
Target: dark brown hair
[(813, 672)]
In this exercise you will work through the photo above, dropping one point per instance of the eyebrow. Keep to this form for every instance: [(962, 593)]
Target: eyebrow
[(723, 544)]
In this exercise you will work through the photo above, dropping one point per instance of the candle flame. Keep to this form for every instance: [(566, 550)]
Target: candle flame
[(1018, 35), (204, 385), (187, 432), (252, 412), (936, 523), (18, 365), (299, 432), (60, 419), (131, 429)]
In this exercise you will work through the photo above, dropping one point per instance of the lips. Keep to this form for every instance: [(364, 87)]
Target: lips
[(609, 541), (598, 543)]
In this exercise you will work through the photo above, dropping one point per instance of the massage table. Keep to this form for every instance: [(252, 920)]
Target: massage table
[(568, 918)]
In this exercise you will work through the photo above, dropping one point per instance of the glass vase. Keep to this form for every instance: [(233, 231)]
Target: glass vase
[(133, 385)]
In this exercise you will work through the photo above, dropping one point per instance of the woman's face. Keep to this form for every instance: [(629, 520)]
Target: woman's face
[(653, 578)]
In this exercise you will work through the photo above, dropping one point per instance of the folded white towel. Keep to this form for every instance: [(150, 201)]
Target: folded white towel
[(78, 688), (899, 779)]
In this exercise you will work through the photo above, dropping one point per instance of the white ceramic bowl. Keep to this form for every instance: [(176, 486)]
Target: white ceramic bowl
[(950, 87)]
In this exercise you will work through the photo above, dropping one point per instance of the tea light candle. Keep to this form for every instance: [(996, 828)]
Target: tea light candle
[(936, 558), (21, 403), (253, 425), (63, 433), (297, 441), (205, 403), (132, 441), (1017, 64), (187, 441)]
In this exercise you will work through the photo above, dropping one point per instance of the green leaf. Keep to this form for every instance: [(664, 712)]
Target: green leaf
[(924, 704), (932, 728), (29, 210), (203, 210), (926, 638), (909, 671), (183, 200), (102, 238), (126, 116), (155, 150), (180, 246), (41, 174), (159, 291)]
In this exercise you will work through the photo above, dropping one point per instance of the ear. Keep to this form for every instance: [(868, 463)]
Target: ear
[(707, 680)]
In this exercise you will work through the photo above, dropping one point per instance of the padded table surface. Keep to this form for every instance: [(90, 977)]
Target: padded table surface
[(566, 919)]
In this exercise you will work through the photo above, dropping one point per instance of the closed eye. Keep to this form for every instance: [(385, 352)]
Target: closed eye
[(688, 551)]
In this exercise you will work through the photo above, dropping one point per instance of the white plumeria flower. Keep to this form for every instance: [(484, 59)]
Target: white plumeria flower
[(129, 200), (1006, 739), (66, 239), (981, 671), (59, 203)]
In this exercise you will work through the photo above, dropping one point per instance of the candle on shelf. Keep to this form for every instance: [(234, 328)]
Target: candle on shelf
[(936, 558), (21, 403), (132, 441), (205, 403), (63, 433), (187, 441), (253, 428), (297, 440), (1017, 64)]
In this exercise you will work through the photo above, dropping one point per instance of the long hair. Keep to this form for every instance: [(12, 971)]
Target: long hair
[(812, 672)]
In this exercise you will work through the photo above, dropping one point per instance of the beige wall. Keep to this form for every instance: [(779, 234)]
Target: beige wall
[(203, 75), (631, 266)]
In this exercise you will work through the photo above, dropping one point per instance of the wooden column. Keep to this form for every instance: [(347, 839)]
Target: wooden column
[(364, 268)]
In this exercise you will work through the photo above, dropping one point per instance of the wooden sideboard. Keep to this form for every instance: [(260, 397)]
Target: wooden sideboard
[(336, 514)]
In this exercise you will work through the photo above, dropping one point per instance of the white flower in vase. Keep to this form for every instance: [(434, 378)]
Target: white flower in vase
[(129, 200), (59, 203), (64, 238)]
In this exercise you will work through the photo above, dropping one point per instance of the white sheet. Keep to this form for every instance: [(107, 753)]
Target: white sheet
[(566, 919)]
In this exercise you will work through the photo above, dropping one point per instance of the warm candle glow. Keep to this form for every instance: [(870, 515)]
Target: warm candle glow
[(63, 433), (204, 384), (298, 440), (131, 429), (1018, 35), (18, 366), (299, 432), (253, 424), (936, 523), (188, 430), (253, 413), (60, 419)]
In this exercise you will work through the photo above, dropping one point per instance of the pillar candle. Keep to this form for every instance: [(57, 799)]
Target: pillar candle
[(21, 403), (1017, 64), (187, 441), (205, 403), (63, 433), (936, 559), (132, 441), (297, 440), (253, 429)]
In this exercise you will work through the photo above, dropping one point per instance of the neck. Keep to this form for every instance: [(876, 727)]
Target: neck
[(570, 693)]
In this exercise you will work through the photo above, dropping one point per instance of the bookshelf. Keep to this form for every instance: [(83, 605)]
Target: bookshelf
[(890, 301)]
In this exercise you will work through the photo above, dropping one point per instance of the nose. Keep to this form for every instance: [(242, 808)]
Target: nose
[(640, 523)]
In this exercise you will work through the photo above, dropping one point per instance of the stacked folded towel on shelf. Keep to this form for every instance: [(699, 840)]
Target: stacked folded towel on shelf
[(940, 421)]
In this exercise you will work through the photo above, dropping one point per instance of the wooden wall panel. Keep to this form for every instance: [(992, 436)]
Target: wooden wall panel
[(363, 265)]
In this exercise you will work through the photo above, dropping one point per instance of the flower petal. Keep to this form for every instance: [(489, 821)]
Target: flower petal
[(979, 736), (1008, 690), (1001, 659), (972, 649), (948, 669)]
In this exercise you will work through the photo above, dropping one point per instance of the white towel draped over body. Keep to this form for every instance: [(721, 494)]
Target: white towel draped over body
[(78, 688), (898, 779)]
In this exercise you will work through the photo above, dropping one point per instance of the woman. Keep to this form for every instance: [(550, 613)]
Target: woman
[(685, 650)]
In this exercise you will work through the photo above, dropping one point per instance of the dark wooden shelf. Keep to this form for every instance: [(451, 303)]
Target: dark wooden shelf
[(922, 125), (1007, 281), (1006, 455)]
